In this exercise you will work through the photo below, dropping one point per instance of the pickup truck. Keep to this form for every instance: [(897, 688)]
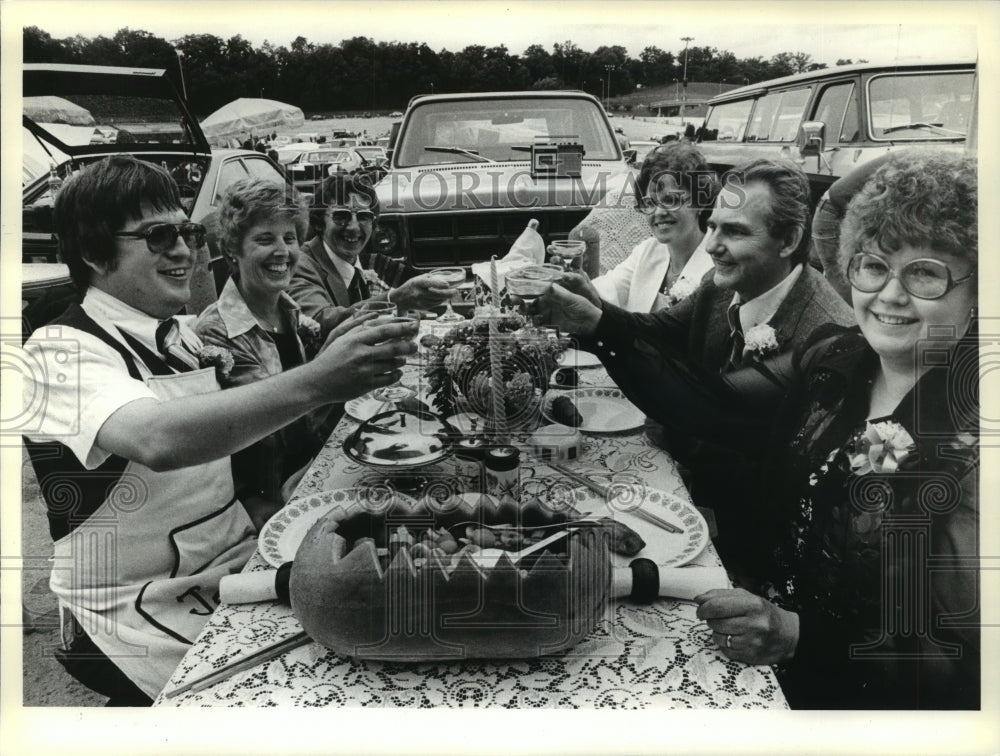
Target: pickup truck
[(468, 171)]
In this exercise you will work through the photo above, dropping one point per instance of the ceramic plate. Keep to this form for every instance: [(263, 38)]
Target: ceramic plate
[(663, 547), (604, 410), (280, 537), (579, 359), (400, 439)]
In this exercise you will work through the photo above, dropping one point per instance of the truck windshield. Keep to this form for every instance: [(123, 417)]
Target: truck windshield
[(499, 130)]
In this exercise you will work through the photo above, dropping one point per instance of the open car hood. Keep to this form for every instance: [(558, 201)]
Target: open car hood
[(107, 109)]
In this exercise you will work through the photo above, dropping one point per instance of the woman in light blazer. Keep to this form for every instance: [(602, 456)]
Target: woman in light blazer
[(679, 191)]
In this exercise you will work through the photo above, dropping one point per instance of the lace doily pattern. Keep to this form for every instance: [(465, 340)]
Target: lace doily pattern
[(638, 657)]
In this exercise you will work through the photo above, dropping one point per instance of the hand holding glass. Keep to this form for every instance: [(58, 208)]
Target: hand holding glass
[(377, 306), (388, 319), (452, 277), (568, 253), (525, 286)]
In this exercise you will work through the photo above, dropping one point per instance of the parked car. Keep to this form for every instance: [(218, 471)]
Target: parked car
[(291, 152), (834, 119), (638, 149), (139, 102), (371, 154), (468, 171), (308, 169)]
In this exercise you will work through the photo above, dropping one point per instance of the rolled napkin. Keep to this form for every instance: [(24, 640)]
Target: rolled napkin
[(528, 249), (260, 585), (643, 581)]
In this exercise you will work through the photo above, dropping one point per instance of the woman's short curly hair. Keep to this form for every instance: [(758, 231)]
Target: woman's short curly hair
[(251, 200), (686, 164), (922, 198)]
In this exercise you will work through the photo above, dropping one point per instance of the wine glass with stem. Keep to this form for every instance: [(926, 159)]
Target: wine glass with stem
[(453, 277), (525, 286), (568, 252)]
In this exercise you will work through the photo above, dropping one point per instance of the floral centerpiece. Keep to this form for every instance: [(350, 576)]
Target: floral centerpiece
[(458, 365)]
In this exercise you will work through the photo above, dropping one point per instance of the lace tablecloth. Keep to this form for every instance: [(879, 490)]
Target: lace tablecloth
[(638, 657)]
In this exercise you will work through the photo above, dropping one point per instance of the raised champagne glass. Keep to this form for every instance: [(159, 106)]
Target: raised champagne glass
[(453, 277), (569, 253), (525, 286)]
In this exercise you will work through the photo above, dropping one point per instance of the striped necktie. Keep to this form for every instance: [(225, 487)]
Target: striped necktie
[(168, 344), (736, 338)]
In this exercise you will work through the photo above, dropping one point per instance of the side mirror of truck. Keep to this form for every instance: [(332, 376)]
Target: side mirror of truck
[(811, 138)]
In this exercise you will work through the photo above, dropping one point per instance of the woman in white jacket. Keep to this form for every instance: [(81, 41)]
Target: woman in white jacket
[(680, 190)]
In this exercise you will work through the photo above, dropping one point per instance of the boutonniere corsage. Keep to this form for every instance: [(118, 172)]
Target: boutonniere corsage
[(372, 279), (218, 357), (881, 448), (681, 290), (761, 340), (310, 332)]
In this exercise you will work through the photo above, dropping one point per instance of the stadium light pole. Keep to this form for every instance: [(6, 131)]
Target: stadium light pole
[(609, 69), (685, 40)]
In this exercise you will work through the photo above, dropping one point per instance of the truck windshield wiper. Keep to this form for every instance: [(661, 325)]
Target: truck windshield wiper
[(459, 151), (921, 125)]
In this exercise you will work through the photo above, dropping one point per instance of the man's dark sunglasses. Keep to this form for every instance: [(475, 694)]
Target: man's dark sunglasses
[(161, 237), (341, 216)]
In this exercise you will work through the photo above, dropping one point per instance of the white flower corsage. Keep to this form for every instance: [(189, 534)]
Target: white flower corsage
[(882, 448), (372, 279), (218, 357), (309, 332), (761, 340), (681, 290), (308, 326)]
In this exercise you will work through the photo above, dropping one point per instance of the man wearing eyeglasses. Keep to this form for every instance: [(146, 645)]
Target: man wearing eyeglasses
[(759, 300), (329, 280), (131, 436)]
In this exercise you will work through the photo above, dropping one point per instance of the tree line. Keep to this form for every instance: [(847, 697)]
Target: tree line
[(361, 75)]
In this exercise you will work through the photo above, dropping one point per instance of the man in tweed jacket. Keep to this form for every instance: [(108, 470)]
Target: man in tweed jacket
[(761, 299)]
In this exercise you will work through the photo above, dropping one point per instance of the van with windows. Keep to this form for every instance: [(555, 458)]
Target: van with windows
[(832, 120)]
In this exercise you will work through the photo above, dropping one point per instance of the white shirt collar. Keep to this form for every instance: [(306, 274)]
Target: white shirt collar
[(344, 268), (761, 308), (236, 315), (111, 313)]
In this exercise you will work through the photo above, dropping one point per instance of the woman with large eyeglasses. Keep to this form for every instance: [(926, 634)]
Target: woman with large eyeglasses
[(679, 190), (865, 588)]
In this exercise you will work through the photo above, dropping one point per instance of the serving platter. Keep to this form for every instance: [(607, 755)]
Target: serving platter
[(400, 439)]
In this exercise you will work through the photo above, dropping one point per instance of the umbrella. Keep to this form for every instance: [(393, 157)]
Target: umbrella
[(52, 109), (253, 115)]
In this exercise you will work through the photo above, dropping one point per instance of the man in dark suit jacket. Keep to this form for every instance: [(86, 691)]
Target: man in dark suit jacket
[(329, 279), (760, 300)]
